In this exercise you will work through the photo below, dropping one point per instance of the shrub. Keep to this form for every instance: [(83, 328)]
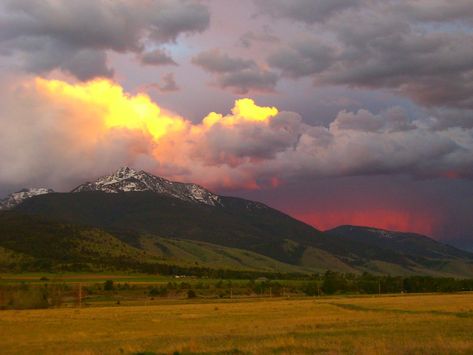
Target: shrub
[(108, 285), (158, 291)]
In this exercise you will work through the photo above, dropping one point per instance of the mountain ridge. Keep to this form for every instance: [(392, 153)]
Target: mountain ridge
[(127, 179), (260, 230), (18, 197), (129, 204)]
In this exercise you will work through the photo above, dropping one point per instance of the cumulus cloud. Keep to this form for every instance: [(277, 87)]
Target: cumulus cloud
[(46, 35), (55, 143), (237, 74), (69, 132)]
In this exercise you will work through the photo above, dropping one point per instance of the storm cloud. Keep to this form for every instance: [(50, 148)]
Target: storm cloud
[(391, 45), (156, 57), (259, 143), (239, 75), (74, 36), (308, 11)]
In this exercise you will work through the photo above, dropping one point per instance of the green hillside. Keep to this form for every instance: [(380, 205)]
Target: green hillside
[(211, 255), (36, 243)]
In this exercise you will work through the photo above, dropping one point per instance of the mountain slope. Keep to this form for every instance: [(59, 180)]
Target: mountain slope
[(188, 252), (414, 252), (46, 242), (246, 225), (35, 243), (240, 224)]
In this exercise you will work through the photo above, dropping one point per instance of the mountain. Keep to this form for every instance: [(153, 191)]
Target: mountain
[(127, 180), (18, 197), (411, 250), (145, 212), (463, 243), (237, 223), (407, 243)]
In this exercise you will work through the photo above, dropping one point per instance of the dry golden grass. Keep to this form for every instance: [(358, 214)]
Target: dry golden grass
[(423, 324)]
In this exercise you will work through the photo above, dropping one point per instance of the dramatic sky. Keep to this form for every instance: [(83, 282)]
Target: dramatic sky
[(334, 111)]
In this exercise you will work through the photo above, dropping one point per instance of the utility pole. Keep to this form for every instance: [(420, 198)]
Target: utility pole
[(270, 292), (379, 287)]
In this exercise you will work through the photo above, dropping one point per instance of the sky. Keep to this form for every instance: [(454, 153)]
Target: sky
[(334, 111)]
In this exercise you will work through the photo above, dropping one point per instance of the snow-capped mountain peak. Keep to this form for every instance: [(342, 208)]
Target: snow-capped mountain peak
[(18, 197), (127, 179)]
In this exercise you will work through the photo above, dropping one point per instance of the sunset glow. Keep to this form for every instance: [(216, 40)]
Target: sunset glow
[(396, 220)]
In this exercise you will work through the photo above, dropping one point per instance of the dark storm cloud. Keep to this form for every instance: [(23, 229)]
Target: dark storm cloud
[(444, 118), (432, 68), (156, 57), (239, 75), (84, 64), (49, 34), (215, 61), (436, 11), (302, 58), (251, 79), (390, 120), (308, 11), (390, 44)]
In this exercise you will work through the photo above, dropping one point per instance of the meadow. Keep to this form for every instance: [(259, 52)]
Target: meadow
[(386, 324)]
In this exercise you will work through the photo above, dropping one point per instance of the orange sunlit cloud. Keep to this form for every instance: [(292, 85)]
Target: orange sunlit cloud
[(99, 107), (113, 107), (117, 109)]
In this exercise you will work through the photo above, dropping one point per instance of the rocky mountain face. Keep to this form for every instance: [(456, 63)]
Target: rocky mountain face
[(18, 197), (128, 180)]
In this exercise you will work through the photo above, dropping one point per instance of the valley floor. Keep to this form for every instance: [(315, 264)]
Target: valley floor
[(414, 324)]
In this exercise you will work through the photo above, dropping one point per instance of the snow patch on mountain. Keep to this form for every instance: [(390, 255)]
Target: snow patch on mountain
[(380, 233), (127, 179), (18, 197)]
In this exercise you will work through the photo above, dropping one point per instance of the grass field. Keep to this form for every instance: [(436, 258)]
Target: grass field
[(405, 324)]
